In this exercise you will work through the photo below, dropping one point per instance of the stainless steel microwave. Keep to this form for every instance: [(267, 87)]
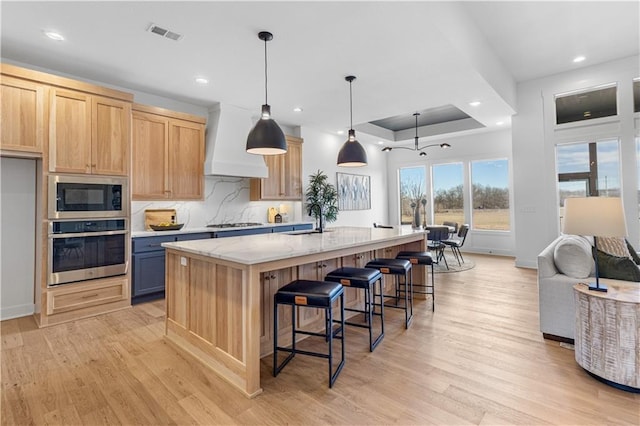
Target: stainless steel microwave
[(81, 197)]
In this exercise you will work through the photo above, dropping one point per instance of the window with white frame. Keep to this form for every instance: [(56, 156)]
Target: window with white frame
[(490, 195), (447, 193), (412, 193), (588, 169)]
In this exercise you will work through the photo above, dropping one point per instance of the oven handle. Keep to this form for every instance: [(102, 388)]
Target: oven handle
[(86, 234)]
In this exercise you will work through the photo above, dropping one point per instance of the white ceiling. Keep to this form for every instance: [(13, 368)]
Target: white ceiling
[(407, 56)]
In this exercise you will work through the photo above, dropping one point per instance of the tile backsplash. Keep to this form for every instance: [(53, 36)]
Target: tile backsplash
[(226, 200)]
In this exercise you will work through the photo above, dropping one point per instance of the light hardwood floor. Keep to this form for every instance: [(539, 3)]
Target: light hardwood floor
[(479, 359)]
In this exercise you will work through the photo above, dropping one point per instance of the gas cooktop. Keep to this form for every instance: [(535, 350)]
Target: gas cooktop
[(233, 225)]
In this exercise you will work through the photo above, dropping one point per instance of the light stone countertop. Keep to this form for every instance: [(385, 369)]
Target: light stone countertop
[(255, 249), (137, 234)]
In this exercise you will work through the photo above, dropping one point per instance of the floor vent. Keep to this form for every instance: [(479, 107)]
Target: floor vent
[(155, 29)]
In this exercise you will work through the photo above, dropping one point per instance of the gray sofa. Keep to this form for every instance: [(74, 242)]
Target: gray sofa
[(557, 316)]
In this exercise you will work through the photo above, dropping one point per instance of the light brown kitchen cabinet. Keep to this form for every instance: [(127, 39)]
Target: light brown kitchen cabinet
[(419, 271), (88, 134), (168, 155), (271, 282), (23, 115), (354, 297), (313, 271), (285, 175)]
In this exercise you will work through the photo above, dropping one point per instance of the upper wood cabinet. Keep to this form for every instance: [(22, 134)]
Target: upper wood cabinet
[(285, 175), (168, 155), (23, 115), (88, 134)]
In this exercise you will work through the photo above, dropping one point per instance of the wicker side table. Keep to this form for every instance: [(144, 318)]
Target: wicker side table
[(607, 339)]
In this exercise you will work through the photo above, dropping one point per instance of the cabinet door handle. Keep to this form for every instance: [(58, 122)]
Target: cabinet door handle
[(267, 278), (273, 277)]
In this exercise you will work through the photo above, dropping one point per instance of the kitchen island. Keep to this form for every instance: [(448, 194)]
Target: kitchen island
[(219, 292)]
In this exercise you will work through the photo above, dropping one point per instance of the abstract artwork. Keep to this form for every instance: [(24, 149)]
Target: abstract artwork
[(354, 191)]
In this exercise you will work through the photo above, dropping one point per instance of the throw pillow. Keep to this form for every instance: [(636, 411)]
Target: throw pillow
[(615, 246), (573, 257), (617, 268), (633, 253)]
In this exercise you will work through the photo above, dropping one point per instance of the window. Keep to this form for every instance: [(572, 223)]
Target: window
[(490, 201), (448, 202), (586, 104), (588, 169), (412, 192)]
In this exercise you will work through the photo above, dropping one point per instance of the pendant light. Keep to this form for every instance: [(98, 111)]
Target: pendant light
[(352, 154), (415, 141), (266, 137)]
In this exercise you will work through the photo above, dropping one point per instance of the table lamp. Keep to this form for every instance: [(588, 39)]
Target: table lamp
[(596, 217)]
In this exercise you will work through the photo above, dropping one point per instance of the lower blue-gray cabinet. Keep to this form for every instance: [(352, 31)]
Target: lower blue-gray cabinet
[(148, 257)]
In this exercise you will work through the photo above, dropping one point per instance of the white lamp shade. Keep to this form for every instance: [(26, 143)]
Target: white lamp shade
[(594, 216)]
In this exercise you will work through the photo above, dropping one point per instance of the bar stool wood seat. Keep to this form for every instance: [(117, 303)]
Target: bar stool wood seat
[(364, 278), (421, 258), (398, 268), (311, 294)]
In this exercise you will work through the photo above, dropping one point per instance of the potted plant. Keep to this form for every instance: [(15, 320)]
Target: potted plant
[(321, 199)]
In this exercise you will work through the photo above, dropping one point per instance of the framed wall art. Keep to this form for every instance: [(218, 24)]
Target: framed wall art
[(354, 191)]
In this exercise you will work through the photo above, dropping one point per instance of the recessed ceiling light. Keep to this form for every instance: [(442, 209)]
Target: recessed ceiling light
[(499, 123), (475, 103), (341, 132), (380, 142), (54, 35), (579, 59), (297, 109), (201, 80)]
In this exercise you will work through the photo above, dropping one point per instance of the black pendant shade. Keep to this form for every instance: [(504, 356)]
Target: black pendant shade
[(352, 154), (266, 137)]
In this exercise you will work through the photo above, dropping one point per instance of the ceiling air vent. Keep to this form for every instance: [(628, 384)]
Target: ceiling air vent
[(155, 29)]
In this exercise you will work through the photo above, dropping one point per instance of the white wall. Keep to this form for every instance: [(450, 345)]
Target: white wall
[(320, 152), (17, 235), (465, 148), (535, 136)]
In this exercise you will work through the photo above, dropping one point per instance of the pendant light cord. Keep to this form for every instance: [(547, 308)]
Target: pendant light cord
[(416, 139), (350, 106), (265, 72)]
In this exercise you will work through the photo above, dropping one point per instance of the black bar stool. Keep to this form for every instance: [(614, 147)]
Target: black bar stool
[(364, 278), (312, 294), (398, 268), (421, 258)]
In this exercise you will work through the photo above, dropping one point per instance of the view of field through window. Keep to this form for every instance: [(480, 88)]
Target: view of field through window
[(447, 189), (489, 189), (587, 169), (490, 186), (413, 198)]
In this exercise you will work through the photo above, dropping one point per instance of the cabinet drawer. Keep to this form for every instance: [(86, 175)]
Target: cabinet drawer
[(151, 243), (240, 232), (83, 295), (196, 236)]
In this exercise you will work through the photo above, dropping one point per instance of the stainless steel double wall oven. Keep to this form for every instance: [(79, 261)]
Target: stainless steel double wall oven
[(88, 233)]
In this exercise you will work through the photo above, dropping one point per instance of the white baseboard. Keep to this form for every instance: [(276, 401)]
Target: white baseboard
[(17, 311)]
